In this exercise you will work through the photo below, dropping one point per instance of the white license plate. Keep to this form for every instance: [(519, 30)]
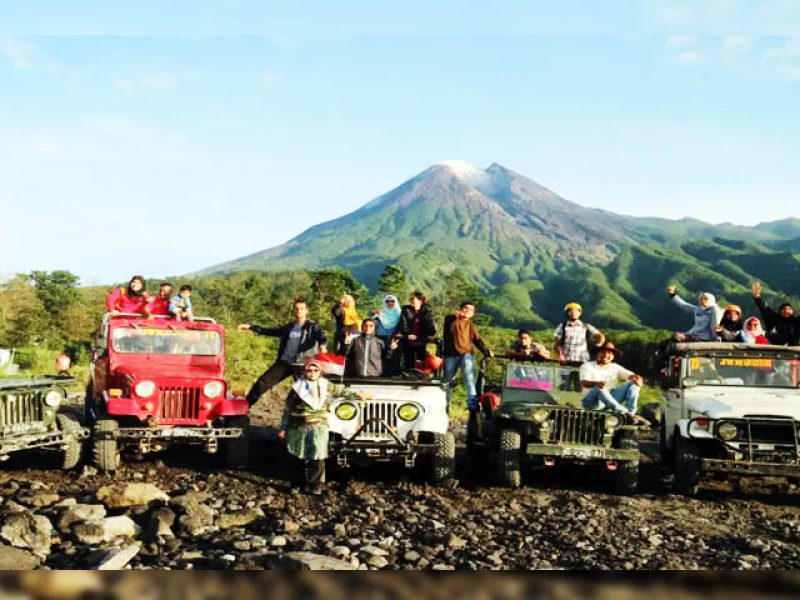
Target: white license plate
[(181, 433), (582, 452)]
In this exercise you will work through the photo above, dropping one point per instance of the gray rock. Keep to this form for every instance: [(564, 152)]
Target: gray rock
[(89, 532), (378, 562), (130, 494), (79, 513), (38, 499), (411, 556), (340, 552), (239, 518), (455, 543), (14, 559), (160, 524), (339, 530), (121, 526), (289, 526), (28, 531), (373, 551), (278, 541), (116, 560), (309, 561)]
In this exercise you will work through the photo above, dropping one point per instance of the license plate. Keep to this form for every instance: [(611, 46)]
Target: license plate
[(181, 433), (582, 452)]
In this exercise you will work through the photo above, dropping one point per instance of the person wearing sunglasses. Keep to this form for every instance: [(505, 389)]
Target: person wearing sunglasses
[(304, 425)]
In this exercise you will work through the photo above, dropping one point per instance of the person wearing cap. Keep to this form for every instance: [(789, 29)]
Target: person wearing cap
[(304, 425), (707, 317), (598, 378), (782, 326), (573, 337), (730, 328)]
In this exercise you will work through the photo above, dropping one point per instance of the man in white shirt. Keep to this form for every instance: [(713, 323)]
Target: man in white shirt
[(598, 378)]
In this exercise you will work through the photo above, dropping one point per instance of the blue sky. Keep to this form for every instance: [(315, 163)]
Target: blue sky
[(139, 137)]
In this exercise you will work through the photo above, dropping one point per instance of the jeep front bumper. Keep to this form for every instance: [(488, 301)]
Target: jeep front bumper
[(50, 440), (744, 467), (582, 453)]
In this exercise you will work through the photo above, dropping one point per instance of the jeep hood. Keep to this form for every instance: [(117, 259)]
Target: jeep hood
[(717, 402)]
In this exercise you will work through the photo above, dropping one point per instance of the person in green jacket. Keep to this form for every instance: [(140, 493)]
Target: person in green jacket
[(305, 423)]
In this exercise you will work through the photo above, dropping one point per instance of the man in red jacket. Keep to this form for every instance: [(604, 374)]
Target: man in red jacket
[(159, 305), (459, 336)]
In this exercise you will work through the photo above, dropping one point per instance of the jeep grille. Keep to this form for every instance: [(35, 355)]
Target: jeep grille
[(576, 426), (179, 403), (20, 407), (375, 414)]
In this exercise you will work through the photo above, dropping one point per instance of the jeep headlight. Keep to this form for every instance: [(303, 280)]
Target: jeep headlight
[(407, 412), (212, 389), (727, 431), (346, 411), (144, 389), (612, 421), (540, 415), (52, 398)]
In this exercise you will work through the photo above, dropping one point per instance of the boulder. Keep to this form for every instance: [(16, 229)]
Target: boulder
[(79, 513), (114, 560), (239, 518), (130, 494), (121, 526), (14, 559), (38, 498), (28, 531), (160, 524)]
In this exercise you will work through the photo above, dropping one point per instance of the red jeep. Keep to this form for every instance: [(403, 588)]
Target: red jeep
[(156, 382)]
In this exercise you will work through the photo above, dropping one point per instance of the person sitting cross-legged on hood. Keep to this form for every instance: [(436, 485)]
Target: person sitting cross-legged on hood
[(598, 378)]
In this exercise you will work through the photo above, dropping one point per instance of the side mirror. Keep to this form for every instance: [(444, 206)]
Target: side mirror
[(689, 382)]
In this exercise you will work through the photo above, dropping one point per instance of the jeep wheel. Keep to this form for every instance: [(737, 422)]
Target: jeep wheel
[(687, 465), (442, 464), (236, 451), (105, 450), (626, 477), (508, 458), (72, 442)]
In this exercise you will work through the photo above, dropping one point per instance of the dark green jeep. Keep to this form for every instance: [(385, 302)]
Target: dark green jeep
[(29, 418), (530, 414)]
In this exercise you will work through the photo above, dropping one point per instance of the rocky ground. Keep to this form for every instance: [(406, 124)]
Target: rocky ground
[(181, 510)]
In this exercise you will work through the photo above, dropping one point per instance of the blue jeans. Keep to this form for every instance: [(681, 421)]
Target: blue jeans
[(467, 365), (621, 399)]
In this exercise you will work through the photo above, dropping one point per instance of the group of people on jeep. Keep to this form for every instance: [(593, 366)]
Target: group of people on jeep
[(135, 299)]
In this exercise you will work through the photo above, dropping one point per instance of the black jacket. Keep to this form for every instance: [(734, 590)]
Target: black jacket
[(780, 331), (427, 326), (310, 336)]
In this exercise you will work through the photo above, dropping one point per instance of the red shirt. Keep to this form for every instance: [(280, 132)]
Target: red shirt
[(120, 301), (157, 306)]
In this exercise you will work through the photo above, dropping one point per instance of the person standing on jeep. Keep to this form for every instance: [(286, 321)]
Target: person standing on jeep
[(299, 340), (417, 328), (783, 326), (459, 336), (598, 378), (573, 336)]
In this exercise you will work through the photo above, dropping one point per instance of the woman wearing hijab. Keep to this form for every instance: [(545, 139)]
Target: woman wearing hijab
[(752, 332), (347, 321), (731, 324), (131, 299), (707, 316), (388, 318), (304, 425)]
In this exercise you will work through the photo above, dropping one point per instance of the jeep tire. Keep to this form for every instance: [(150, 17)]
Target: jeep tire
[(687, 465), (626, 477), (73, 444), (104, 445), (236, 451), (508, 458), (442, 465)]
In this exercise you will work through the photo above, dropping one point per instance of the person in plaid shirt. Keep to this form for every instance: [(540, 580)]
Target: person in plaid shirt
[(572, 337)]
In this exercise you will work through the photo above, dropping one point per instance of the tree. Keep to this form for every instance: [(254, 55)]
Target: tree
[(327, 288), (24, 318), (394, 280), (457, 288)]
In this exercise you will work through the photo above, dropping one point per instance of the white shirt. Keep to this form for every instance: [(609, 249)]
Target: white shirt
[(610, 373)]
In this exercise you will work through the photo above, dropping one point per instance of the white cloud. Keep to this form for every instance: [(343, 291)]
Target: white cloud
[(158, 82), (21, 55), (681, 41), (736, 44)]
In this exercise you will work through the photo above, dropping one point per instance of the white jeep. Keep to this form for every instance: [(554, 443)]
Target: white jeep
[(732, 409), (406, 420)]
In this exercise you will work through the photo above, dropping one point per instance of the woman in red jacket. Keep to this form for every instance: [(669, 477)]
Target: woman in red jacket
[(131, 299)]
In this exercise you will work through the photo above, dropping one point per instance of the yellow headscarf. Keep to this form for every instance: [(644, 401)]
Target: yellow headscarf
[(351, 316)]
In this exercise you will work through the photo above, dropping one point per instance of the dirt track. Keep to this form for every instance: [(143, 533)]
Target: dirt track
[(384, 518)]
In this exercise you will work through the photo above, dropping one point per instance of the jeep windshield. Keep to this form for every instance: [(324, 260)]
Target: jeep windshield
[(530, 377), (747, 371), (151, 340)]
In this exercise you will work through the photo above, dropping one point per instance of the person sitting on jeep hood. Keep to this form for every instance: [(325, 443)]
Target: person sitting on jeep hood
[(707, 317), (572, 337), (159, 305), (524, 348), (299, 340), (598, 378), (365, 354), (783, 326), (131, 299)]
